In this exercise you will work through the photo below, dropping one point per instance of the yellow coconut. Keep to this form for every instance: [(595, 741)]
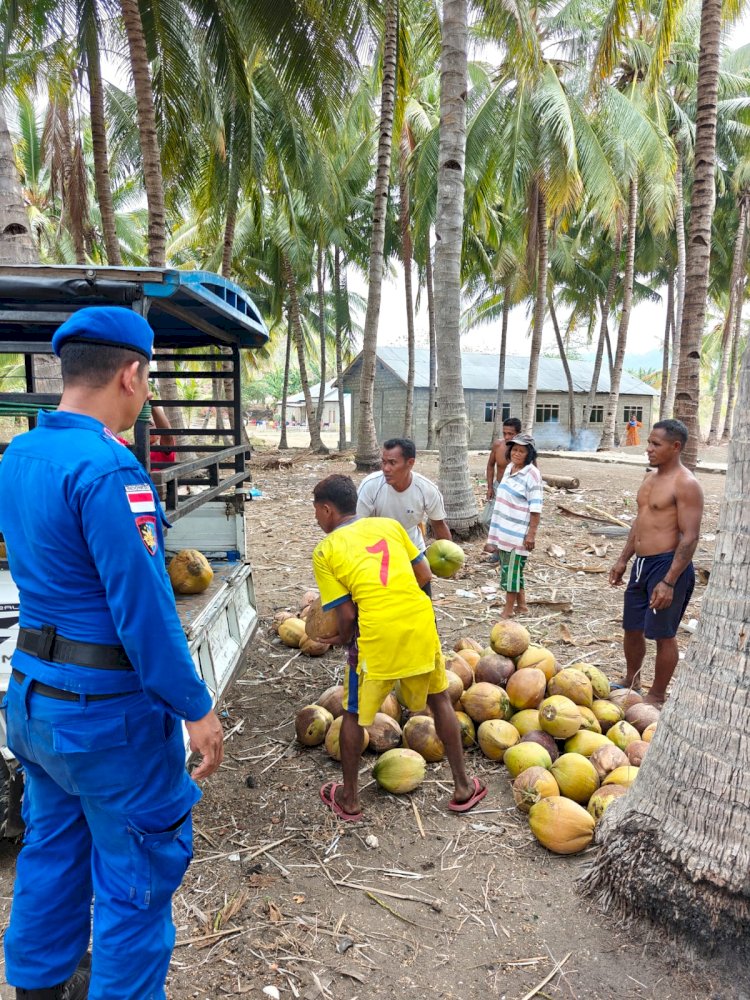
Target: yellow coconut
[(588, 720), (526, 688), (311, 725), (391, 707), (311, 647), (539, 657), (561, 825), (419, 734), (399, 771), (455, 686), (517, 758), (189, 572), (384, 733), (526, 721), (471, 656), (331, 699), (495, 736), (333, 737), (599, 680), (468, 732), (486, 701), (602, 799), (467, 643), (607, 713), (291, 632), (531, 785), (576, 776), (623, 733), (585, 742), (648, 733), (606, 759), (459, 666), (572, 684), (508, 638), (559, 716), (622, 776)]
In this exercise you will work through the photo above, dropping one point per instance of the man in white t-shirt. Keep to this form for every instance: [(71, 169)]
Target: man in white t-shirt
[(406, 496)]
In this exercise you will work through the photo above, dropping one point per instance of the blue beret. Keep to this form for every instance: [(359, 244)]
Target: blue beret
[(110, 326)]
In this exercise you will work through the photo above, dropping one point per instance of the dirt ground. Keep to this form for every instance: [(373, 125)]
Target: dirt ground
[(282, 900)]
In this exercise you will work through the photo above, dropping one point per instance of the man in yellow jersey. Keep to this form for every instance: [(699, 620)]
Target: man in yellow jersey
[(371, 572)]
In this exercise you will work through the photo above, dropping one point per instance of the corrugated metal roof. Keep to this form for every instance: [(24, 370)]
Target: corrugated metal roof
[(331, 395), (480, 372)]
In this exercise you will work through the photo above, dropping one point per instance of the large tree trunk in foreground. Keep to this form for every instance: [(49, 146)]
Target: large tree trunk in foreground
[(687, 401), (431, 392), (610, 414), (539, 308), (603, 329), (452, 432), (368, 452), (676, 849), (679, 228), (316, 444), (726, 435), (497, 424)]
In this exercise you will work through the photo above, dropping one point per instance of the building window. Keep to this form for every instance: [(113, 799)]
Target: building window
[(597, 415), (491, 408), (547, 413), (633, 411)]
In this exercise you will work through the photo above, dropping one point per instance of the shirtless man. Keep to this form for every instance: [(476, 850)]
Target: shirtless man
[(663, 539), (496, 465)]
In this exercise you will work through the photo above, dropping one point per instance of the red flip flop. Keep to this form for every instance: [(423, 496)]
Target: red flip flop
[(328, 796), (462, 807)]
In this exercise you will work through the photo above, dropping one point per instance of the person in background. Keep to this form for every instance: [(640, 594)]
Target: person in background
[(96, 701), (162, 446), (370, 572), (496, 464), (408, 497), (663, 538), (632, 437), (515, 519)]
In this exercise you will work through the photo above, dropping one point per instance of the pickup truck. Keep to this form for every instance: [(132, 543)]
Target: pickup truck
[(202, 322)]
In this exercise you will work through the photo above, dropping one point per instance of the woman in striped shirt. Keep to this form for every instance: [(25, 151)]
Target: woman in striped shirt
[(515, 519)]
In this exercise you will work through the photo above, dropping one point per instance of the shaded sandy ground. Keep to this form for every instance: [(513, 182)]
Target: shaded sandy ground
[(281, 895)]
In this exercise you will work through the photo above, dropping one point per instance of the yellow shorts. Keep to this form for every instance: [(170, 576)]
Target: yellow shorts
[(364, 695)]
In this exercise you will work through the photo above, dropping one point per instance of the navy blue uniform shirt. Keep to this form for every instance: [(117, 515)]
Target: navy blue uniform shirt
[(84, 533)]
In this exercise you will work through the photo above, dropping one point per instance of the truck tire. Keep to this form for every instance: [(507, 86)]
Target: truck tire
[(11, 792)]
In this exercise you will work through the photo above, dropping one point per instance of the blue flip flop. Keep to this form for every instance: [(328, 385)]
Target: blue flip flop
[(623, 687)]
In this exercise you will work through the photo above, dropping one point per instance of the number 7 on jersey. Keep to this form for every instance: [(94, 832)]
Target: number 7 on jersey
[(381, 548)]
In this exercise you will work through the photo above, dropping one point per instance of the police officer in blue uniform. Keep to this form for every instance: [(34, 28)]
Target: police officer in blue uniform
[(101, 679)]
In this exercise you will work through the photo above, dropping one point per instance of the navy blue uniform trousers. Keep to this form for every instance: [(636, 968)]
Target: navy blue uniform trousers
[(107, 794)]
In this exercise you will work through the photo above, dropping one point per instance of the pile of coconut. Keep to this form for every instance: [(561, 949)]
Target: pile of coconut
[(570, 744)]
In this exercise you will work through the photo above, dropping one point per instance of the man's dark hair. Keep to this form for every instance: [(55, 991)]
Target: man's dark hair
[(94, 365), (674, 430), (407, 446), (530, 453), (513, 422), (339, 491)]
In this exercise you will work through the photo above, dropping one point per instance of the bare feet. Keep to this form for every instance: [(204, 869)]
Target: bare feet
[(506, 614), (522, 610), (655, 698)]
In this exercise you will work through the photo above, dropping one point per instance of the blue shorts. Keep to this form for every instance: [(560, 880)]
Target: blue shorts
[(637, 615)]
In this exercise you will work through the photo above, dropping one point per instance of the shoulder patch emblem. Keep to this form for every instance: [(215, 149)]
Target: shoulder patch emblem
[(140, 498), (147, 529)]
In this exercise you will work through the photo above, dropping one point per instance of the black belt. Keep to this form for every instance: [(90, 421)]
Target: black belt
[(46, 644), (51, 692)]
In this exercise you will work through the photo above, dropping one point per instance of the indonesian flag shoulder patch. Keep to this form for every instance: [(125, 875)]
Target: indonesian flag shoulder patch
[(140, 498)]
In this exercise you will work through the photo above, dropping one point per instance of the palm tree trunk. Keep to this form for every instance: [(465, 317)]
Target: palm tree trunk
[(542, 236), (152, 175), (320, 271), (452, 432), (726, 436), (233, 195), (606, 306), (497, 424), (687, 401), (16, 242), (568, 376), (339, 346), (99, 146), (433, 347), (728, 335), (668, 332), (673, 852), (285, 390), (610, 416), (680, 296), (316, 444), (406, 259), (368, 453)]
